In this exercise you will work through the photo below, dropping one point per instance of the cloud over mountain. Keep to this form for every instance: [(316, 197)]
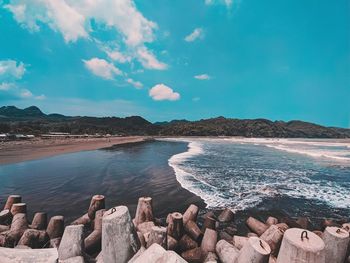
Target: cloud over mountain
[(163, 92)]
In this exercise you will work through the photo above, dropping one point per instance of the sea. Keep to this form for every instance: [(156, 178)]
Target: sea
[(293, 177), (297, 177)]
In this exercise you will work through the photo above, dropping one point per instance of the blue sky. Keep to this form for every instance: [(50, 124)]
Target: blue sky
[(165, 59)]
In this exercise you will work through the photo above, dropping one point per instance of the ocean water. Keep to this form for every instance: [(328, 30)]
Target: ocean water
[(296, 176), (258, 177)]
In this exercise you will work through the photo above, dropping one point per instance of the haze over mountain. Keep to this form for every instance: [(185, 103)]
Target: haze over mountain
[(33, 120)]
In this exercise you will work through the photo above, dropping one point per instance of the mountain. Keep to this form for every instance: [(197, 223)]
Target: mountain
[(252, 128), (13, 112), (33, 120)]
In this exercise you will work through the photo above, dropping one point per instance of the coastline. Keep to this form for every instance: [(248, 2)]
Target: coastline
[(20, 151)]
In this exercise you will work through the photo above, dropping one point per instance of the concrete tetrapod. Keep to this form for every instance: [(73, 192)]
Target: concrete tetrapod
[(18, 208), (271, 221), (144, 210), (156, 253), (72, 243), (193, 230), (158, 235), (336, 241), (300, 245), (175, 225), (255, 250), (211, 258), (227, 252), (34, 238), (190, 214), (209, 241), (16, 255), (187, 243), (119, 239), (5, 217), (55, 227), (256, 226), (273, 236), (93, 241), (226, 216), (209, 222), (239, 241), (12, 199), (97, 203), (11, 237), (39, 221)]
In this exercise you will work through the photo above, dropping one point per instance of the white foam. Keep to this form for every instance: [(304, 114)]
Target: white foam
[(253, 184), (186, 179), (327, 149)]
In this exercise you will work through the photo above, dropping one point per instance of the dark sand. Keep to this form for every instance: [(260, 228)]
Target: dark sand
[(20, 151)]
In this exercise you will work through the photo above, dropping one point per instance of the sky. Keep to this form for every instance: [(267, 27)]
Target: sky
[(184, 59)]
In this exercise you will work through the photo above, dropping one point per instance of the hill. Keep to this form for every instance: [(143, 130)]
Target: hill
[(33, 120), (252, 128)]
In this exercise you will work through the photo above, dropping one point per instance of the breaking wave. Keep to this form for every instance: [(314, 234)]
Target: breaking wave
[(240, 173)]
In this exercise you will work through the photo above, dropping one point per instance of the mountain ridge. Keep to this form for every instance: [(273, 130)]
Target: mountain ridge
[(33, 120)]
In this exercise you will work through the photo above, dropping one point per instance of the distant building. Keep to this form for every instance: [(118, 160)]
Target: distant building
[(11, 137), (59, 133)]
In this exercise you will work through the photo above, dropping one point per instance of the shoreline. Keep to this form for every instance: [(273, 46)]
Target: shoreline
[(19, 151)]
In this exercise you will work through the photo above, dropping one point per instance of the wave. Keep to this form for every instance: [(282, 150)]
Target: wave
[(339, 155), (239, 184), (327, 149)]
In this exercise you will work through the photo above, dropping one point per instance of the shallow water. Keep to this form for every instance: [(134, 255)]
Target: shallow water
[(64, 184)]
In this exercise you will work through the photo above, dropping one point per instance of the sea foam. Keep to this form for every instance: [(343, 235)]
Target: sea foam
[(225, 172)]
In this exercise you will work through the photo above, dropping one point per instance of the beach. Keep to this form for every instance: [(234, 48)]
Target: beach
[(20, 151)]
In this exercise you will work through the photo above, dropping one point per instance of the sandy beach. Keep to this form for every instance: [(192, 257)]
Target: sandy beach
[(19, 151)]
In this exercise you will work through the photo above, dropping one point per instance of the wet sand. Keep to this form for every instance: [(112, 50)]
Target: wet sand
[(20, 151)]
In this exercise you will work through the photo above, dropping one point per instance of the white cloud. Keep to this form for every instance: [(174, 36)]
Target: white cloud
[(73, 19), (202, 77), (10, 69), (102, 68), (22, 16), (197, 33), (25, 94), (66, 19), (228, 3), (58, 14), (163, 92), (148, 60), (136, 84), (116, 55), (5, 86), (11, 72), (40, 97), (14, 91)]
